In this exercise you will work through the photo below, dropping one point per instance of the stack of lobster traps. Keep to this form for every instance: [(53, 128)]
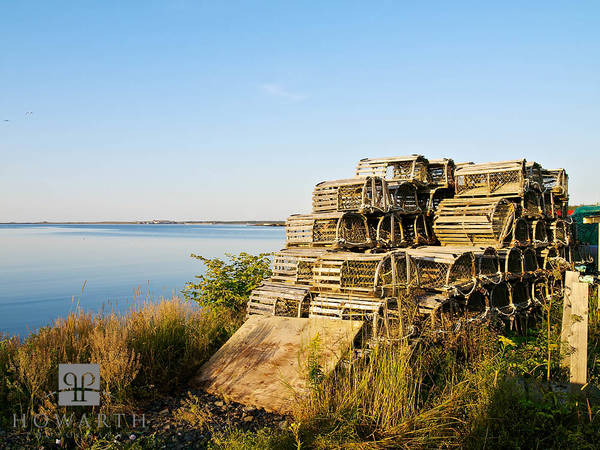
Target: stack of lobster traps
[(468, 240)]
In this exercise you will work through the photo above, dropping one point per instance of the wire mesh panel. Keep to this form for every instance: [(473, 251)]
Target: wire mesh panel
[(403, 197), (539, 237), (294, 265), (511, 261), (367, 195), (347, 230), (520, 232), (506, 178), (473, 221), (558, 233), (401, 168), (443, 269), (441, 172), (275, 299)]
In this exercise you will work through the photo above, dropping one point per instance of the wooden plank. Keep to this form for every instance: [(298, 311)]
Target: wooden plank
[(565, 349), (578, 336), (262, 364)]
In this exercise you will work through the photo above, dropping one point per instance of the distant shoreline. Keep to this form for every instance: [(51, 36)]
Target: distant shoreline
[(266, 223)]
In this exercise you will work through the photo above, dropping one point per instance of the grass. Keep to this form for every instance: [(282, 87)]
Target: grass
[(153, 349)]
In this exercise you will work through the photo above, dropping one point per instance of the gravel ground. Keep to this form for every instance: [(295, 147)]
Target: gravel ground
[(163, 427)]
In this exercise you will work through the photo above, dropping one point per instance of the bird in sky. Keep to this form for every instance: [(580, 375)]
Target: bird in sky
[(28, 113)]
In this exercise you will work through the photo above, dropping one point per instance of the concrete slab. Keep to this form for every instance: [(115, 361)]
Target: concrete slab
[(264, 362)]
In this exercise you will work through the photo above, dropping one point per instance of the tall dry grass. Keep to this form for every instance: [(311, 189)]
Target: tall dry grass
[(403, 396), (151, 349)]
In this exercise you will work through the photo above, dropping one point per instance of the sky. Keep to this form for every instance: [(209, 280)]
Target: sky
[(234, 110)]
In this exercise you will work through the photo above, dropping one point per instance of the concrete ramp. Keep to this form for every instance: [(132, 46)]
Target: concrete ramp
[(264, 362)]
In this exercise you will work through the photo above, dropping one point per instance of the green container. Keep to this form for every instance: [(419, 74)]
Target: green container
[(586, 232)]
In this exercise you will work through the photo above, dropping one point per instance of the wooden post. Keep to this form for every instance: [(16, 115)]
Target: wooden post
[(565, 347), (578, 336)]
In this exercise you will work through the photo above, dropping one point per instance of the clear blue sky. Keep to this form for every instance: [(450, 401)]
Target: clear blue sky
[(234, 110)]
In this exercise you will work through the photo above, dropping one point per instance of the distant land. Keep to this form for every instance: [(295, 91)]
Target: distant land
[(264, 223)]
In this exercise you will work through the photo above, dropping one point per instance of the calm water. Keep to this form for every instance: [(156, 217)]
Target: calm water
[(44, 267)]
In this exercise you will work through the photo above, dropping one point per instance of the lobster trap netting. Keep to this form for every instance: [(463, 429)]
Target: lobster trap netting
[(294, 265), (505, 178)]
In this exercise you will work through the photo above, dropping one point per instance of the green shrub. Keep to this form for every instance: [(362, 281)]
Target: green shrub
[(226, 284)]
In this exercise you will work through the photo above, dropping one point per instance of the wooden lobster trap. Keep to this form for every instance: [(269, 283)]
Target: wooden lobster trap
[(534, 174), (295, 265), (403, 197), (368, 195), (361, 274), (474, 221), (511, 262), (539, 235), (388, 229), (555, 207), (487, 263), (556, 181), (344, 230), (411, 168), (554, 260), (430, 198), (444, 269), (558, 233), (506, 178), (500, 298), (531, 266), (277, 299), (532, 204), (417, 230), (520, 292), (521, 232), (441, 172), (371, 310)]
